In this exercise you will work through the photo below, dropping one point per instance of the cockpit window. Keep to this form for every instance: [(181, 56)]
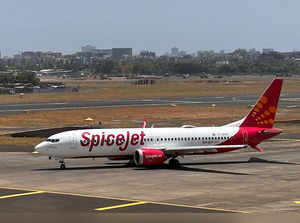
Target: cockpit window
[(52, 140)]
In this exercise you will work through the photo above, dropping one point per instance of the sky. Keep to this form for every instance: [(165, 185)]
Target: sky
[(156, 25)]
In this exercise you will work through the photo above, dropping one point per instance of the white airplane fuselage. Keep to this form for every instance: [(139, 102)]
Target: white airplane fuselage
[(124, 142)]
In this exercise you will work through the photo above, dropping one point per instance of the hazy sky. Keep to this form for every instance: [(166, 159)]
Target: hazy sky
[(158, 25)]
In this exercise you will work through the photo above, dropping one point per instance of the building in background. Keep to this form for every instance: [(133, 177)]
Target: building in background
[(88, 49), (267, 50), (104, 52), (118, 53), (174, 52), (147, 54)]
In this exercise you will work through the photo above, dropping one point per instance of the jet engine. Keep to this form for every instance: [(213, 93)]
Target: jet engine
[(148, 157)]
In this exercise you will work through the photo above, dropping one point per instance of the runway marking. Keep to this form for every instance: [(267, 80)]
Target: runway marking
[(72, 194), (121, 206), (133, 200), (21, 194), (200, 207), (167, 102), (82, 107)]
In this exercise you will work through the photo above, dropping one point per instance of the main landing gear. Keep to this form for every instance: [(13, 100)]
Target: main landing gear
[(131, 162), (174, 163), (62, 164)]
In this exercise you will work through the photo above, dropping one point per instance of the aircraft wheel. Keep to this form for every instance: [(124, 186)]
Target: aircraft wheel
[(62, 166), (131, 162), (174, 163)]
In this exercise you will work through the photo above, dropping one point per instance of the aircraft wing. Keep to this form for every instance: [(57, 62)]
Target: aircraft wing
[(199, 149)]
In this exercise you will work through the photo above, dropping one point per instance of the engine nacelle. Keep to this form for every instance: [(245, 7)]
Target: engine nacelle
[(148, 157)]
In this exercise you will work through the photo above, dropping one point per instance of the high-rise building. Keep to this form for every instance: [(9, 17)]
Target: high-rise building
[(174, 52), (107, 52), (118, 53)]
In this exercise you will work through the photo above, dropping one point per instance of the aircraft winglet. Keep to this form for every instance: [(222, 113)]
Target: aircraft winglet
[(144, 123)]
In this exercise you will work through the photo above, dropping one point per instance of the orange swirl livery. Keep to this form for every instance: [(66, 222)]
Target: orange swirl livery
[(154, 146), (263, 113)]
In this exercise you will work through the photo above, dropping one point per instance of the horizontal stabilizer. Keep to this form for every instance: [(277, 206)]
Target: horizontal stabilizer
[(257, 148)]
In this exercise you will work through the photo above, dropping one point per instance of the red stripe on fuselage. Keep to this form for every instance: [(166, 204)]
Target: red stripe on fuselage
[(249, 136)]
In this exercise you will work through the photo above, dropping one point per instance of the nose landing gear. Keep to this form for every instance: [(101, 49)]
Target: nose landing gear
[(62, 164)]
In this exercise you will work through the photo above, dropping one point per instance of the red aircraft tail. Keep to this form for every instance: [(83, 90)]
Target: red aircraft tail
[(263, 113)]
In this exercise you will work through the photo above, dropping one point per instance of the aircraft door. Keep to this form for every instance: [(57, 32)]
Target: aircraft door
[(72, 142)]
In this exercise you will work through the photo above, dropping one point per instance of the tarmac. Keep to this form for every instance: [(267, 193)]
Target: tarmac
[(240, 182), (286, 100)]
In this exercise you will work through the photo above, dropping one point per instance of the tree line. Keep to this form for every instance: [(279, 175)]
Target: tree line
[(163, 66), (25, 77)]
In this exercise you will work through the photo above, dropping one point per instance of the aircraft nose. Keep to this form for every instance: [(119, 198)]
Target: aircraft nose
[(39, 148)]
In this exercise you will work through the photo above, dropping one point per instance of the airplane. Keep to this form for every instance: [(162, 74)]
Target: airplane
[(153, 146)]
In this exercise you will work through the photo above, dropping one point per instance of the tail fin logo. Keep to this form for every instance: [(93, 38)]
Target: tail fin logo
[(263, 113)]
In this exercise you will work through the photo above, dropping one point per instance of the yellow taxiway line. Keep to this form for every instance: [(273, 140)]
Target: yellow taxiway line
[(136, 202), (199, 207), (21, 194), (120, 206), (297, 202)]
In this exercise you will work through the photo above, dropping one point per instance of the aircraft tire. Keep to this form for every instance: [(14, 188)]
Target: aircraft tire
[(174, 163), (62, 166)]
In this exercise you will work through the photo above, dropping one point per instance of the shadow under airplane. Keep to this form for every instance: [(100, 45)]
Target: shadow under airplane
[(182, 167)]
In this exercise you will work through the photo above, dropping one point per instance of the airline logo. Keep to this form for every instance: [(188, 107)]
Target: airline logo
[(89, 140), (262, 113)]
